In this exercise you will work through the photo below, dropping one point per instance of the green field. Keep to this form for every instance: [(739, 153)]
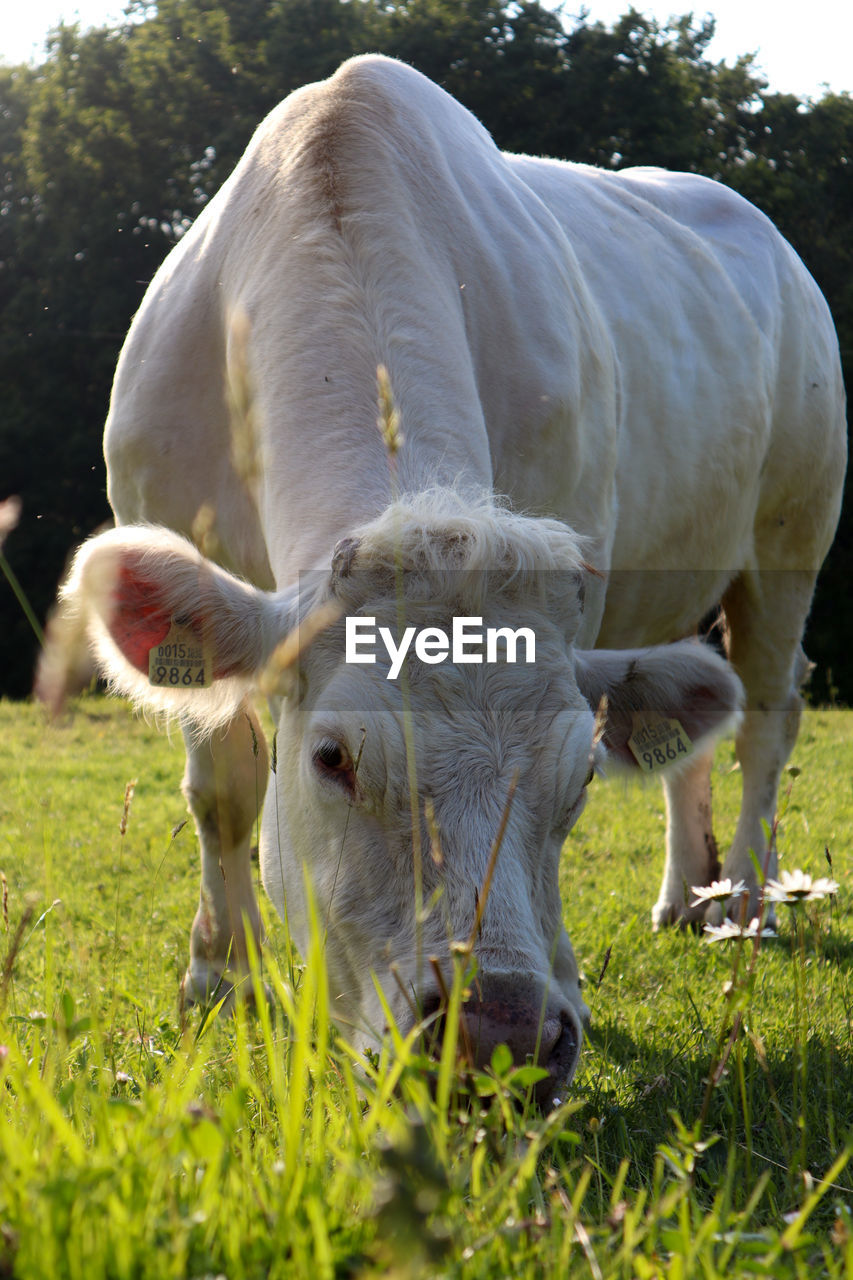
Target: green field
[(137, 1144)]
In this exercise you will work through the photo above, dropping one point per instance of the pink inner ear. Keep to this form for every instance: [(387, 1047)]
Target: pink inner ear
[(139, 620)]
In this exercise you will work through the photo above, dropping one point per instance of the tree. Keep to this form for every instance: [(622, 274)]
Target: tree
[(109, 150), (643, 93), (71, 279), (505, 62)]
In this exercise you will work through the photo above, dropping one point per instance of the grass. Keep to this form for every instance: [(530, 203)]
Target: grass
[(136, 1144)]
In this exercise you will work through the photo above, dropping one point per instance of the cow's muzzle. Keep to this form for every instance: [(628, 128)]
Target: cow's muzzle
[(543, 1031)]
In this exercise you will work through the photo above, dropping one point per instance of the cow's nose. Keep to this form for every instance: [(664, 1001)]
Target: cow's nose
[(544, 1032)]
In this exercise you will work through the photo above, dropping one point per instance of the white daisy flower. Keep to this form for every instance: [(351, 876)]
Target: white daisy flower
[(722, 932), (796, 886), (753, 931), (718, 891), (730, 929)]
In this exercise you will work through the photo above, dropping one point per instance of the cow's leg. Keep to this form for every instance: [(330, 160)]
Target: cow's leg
[(691, 851), (224, 784), (766, 615), (765, 618)]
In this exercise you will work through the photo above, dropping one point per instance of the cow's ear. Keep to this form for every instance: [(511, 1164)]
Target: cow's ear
[(140, 591), (647, 695)]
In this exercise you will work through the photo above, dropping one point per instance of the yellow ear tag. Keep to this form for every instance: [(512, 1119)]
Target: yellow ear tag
[(180, 661), (654, 744)]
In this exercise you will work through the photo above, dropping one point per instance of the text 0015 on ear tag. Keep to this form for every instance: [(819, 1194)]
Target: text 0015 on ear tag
[(654, 744), (180, 660)]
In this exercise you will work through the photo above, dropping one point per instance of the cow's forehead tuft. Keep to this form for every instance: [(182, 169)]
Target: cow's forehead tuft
[(448, 529)]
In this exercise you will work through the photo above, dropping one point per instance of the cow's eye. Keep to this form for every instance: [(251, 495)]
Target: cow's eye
[(330, 754), (569, 816), (332, 760)]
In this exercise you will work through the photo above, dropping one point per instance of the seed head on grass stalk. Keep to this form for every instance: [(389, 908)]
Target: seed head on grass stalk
[(389, 418), (483, 896), (10, 514), (246, 454), (128, 801), (392, 437), (12, 953), (286, 655), (125, 815), (242, 402), (203, 531)]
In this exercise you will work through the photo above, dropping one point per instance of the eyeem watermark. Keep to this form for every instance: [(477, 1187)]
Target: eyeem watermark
[(465, 643)]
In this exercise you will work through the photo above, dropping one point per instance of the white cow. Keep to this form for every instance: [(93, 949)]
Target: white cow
[(636, 360)]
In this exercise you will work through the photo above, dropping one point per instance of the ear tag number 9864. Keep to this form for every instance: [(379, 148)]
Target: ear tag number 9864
[(180, 660), (655, 744)]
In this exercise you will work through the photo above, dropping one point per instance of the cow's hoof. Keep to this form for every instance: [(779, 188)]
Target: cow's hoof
[(205, 991), (666, 915), (209, 990)]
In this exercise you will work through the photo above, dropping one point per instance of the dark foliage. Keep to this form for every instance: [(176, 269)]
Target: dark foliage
[(110, 148)]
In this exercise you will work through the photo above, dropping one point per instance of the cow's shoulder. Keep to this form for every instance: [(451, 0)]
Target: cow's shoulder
[(371, 100), (699, 204), (648, 201)]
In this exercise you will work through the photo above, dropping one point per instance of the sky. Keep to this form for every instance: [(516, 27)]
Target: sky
[(801, 50)]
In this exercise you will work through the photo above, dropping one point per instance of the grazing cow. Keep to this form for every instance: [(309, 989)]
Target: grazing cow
[(636, 361)]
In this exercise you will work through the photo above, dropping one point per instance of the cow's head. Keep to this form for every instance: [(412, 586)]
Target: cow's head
[(392, 793)]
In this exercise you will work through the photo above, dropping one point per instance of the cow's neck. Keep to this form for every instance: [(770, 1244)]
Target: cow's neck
[(318, 495)]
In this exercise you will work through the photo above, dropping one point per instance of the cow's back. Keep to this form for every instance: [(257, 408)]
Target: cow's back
[(732, 438)]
